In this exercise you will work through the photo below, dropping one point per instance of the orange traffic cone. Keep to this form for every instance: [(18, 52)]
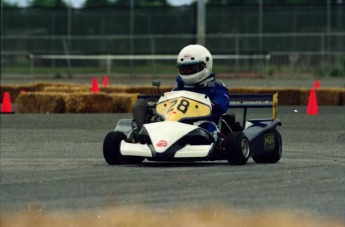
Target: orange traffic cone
[(317, 83), (312, 103), (6, 107), (105, 81), (95, 88)]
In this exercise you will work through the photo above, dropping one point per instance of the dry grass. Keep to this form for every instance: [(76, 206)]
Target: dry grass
[(207, 216)]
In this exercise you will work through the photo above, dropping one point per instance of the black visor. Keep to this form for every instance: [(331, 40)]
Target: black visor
[(190, 68)]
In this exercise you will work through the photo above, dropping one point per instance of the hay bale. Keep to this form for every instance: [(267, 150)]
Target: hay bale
[(122, 97), (243, 90), (40, 86), (114, 89), (67, 89), (148, 90), (164, 89), (123, 102), (15, 90), (87, 102), (38, 102), (304, 96), (324, 96), (293, 96), (328, 96), (286, 96), (342, 97), (289, 96)]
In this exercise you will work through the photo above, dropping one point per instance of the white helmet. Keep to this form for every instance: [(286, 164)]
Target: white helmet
[(194, 63)]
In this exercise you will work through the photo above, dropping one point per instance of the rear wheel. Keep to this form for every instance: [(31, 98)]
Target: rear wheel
[(112, 153), (236, 146), (273, 156)]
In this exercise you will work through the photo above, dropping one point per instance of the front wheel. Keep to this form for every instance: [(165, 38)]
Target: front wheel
[(112, 153), (236, 146), (273, 156)]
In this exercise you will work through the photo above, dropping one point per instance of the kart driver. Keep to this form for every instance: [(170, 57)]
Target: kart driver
[(194, 64)]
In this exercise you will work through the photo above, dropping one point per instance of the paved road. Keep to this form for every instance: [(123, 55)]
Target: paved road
[(55, 161)]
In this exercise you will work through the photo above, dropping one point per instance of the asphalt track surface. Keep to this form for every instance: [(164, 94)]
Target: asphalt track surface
[(55, 162)]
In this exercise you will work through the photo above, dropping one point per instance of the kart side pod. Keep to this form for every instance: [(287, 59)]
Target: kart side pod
[(261, 133)]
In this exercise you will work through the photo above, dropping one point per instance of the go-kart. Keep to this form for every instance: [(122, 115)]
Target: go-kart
[(167, 128)]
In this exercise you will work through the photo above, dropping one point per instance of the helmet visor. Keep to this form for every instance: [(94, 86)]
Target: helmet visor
[(190, 68)]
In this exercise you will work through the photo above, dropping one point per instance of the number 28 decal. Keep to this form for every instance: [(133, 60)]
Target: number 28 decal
[(181, 106)]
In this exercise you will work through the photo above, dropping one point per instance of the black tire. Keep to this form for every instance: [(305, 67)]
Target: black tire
[(111, 150), (275, 155), (140, 113), (236, 146)]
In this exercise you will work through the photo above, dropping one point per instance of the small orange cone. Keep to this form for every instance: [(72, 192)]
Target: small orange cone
[(95, 88), (317, 83), (312, 103), (6, 107), (105, 81)]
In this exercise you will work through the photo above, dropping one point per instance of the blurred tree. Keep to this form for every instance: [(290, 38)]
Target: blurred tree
[(97, 3), (152, 3), (48, 3), (244, 2), (6, 3), (142, 2)]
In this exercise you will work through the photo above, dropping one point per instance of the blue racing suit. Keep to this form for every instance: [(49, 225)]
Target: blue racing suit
[(215, 90)]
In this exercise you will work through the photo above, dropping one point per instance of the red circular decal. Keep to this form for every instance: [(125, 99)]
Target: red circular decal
[(162, 143)]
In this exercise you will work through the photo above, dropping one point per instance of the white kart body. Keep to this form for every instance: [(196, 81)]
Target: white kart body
[(174, 133), (163, 136), (173, 107)]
